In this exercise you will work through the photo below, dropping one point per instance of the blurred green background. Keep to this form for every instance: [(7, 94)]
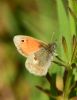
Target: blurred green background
[(39, 19)]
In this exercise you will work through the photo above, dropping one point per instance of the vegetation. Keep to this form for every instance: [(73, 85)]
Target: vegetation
[(39, 19)]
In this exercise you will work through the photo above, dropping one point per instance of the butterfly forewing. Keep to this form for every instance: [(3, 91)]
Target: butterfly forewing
[(27, 45)]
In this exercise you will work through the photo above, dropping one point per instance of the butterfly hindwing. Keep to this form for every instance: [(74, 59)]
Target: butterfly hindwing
[(39, 62)]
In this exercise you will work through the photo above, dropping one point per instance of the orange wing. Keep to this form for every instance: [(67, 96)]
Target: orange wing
[(27, 45)]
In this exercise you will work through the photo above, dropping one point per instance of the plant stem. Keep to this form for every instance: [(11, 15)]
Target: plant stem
[(67, 85)]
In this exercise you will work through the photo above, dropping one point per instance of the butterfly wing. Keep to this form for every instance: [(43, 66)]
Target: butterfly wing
[(39, 62), (26, 45)]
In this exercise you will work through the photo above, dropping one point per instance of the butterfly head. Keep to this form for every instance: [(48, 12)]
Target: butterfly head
[(51, 47)]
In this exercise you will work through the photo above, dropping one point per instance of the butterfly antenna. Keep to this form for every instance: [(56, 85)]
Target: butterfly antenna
[(52, 36)]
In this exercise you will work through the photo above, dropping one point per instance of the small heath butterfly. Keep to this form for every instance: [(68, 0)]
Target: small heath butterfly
[(39, 54)]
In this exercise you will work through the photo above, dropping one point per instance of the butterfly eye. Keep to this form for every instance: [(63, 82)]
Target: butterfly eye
[(22, 40)]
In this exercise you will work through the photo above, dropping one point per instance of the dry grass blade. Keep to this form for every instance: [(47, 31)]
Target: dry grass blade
[(64, 45), (74, 45), (74, 41)]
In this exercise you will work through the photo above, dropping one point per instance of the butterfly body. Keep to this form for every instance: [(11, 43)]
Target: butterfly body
[(39, 60)]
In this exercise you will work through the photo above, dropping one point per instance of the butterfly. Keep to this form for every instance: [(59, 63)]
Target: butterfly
[(39, 54)]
